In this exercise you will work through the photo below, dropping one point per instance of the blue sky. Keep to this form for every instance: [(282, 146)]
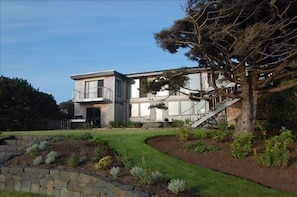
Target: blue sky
[(45, 42)]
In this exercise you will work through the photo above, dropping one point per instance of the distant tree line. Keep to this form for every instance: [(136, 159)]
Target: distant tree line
[(22, 106)]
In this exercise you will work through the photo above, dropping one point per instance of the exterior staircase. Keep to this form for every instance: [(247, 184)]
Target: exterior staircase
[(226, 103)]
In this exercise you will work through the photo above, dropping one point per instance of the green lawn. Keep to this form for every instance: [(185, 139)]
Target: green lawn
[(130, 143)]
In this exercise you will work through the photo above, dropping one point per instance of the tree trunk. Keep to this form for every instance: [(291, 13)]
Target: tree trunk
[(250, 96)]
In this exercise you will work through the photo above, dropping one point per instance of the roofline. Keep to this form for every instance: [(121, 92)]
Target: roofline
[(158, 72), (96, 74), (132, 75)]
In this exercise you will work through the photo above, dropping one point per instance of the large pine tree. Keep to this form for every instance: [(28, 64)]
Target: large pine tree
[(251, 42)]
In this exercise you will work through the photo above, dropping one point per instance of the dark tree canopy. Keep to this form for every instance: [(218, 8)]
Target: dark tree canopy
[(67, 109), (20, 102), (279, 109), (252, 43)]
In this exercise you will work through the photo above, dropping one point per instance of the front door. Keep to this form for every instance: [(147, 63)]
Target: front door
[(94, 117)]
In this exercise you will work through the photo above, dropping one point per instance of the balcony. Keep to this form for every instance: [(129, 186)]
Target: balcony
[(100, 94)]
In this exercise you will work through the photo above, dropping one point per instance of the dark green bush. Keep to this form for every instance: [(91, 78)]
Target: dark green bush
[(177, 123), (74, 160), (220, 136), (242, 145), (276, 152), (200, 147)]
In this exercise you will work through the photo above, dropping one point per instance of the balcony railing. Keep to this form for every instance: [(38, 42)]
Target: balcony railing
[(92, 94)]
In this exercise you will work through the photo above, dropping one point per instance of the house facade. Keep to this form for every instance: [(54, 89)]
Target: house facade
[(102, 97)]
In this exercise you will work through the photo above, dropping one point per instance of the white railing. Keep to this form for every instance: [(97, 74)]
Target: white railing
[(92, 94)]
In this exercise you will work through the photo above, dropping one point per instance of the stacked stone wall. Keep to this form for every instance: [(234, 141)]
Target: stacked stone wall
[(61, 183), (55, 182), (15, 145)]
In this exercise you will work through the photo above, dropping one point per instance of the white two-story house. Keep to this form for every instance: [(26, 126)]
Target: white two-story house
[(101, 97)]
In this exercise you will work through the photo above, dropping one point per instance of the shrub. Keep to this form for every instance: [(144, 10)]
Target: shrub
[(111, 124), (276, 150), (241, 145), (146, 177), (220, 136), (52, 154), (201, 134), (200, 147), (37, 160), (74, 160), (57, 138), (114, 171), (84, 136), (184, 133), (125, 161), (177, 123), (33, 150), (156, 176), (176, 186), (130, 124), (136, 171), (104, 162), (118, 124), (50, 160), (42, 145), (100, 150), (51, 157), (188, 122), (96, 139), (222, 126)]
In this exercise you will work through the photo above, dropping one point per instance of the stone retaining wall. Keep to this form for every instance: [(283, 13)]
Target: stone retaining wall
[(17, 144), (62, 183)]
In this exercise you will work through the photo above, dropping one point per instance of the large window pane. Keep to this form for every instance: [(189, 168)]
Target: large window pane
[(144, 109), (118, 88), (163, 92), (135, 88), (100, 88), (186, 107), (91, 89), (159, 114), (200, 107), (194, 83), (134, 110), (172, 108)]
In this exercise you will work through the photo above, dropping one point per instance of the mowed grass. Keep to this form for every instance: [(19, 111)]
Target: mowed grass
[(130, 143)]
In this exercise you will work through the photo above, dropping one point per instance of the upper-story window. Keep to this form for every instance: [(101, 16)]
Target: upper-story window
[(192, 85), (142, 93), (135, 88), (118, 88), (94, 89)]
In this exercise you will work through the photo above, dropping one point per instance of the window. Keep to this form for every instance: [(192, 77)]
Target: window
[(200, 107), (94, 89), (186, 107), (163, 92), (118, 88), (144, 109), (100, 88), (173, 108), (142, 94), (194, 83), (134, 110), (134, 88)]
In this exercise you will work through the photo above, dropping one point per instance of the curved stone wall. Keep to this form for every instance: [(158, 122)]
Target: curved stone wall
[(54, 182), (61, 183)]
